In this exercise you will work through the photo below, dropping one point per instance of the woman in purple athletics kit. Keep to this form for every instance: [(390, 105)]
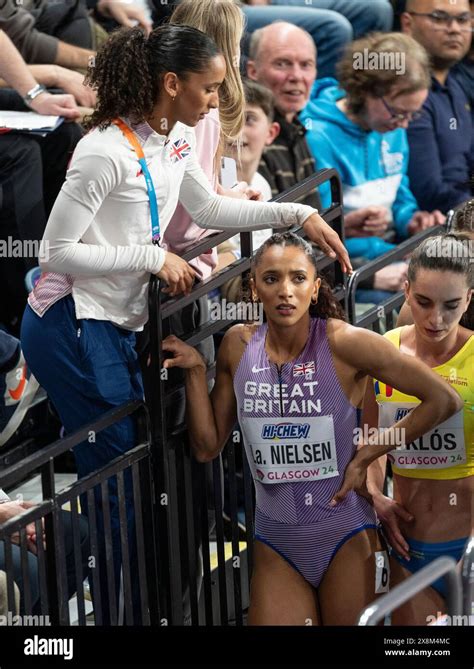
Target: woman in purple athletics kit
[(103, 236), (295, 384)]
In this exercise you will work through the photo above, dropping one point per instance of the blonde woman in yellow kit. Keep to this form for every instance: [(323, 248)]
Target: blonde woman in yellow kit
[(431, 513)]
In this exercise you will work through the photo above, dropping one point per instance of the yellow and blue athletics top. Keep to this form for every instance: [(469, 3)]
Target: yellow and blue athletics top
[(447, 452)]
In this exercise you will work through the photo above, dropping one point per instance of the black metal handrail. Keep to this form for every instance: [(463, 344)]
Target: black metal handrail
[(17, 472), (46, 516), (467, 574), (162, 456), (332, 214), (403, 592), (373, 266)]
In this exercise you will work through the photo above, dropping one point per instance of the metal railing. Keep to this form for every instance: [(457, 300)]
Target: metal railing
[(177, 502), (372, 317), (73, 549), (403, 592), (166, 562), (467, 574)]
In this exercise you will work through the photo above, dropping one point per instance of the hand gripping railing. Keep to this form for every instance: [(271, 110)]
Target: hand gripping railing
[(401, 593), (467, 575)]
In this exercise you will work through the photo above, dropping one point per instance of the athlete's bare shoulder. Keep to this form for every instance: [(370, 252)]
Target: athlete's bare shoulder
[(234, 343), (335, 329), (348, 342)]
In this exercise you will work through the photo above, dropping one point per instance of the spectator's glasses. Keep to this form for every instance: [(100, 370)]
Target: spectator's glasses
[(443, 20), (400, 116)]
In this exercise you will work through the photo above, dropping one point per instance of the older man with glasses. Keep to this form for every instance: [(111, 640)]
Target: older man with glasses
[(442, 139)]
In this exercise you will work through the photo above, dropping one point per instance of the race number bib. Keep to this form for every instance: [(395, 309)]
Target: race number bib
[(440, 448), (382, 572), (291, 450)]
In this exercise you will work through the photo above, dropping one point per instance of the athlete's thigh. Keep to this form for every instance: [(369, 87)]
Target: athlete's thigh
[(426, 603), (279, 595), (350, 581)]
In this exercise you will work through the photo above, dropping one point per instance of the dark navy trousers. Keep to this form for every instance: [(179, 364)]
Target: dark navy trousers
[(87, 367)]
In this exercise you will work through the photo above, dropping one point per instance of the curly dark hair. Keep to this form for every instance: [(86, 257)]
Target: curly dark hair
[(327, 306), (129, 68)]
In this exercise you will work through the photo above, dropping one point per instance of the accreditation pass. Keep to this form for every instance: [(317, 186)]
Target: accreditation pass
[(300, 449)]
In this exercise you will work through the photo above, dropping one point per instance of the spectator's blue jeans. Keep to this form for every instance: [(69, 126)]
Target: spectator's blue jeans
[(88, 367), (9, 348), (31, 563), (331, 23)]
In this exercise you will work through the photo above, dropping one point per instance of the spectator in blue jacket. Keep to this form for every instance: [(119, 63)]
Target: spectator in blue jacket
[(441, 140), (464, 71), (360, 129)]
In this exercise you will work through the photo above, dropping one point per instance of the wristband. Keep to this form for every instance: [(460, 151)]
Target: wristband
[(33, 93)]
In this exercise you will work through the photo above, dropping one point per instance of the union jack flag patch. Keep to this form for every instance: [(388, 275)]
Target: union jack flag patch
[(179, 150), (304, 369)]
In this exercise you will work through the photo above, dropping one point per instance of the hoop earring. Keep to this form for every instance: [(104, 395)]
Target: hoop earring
[(314, 300)]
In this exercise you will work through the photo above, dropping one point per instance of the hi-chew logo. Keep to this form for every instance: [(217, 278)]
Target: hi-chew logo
[(401, 413), (286, 431)]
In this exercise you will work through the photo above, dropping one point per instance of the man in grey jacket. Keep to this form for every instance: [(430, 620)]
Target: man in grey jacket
[(32, 170), (63, 32)]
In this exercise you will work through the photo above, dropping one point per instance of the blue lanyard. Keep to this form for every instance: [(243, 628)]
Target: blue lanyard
[(155, 217)]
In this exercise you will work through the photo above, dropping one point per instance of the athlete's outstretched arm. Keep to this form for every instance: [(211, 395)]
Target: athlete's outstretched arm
[(376, 357), (210, 418)]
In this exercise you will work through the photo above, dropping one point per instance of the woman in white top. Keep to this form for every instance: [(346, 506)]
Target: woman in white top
[(102, 239)]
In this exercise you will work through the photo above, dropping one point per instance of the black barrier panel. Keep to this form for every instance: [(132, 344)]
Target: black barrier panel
[(119, 563), (177, 557), (207, 555), (185, 556)]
